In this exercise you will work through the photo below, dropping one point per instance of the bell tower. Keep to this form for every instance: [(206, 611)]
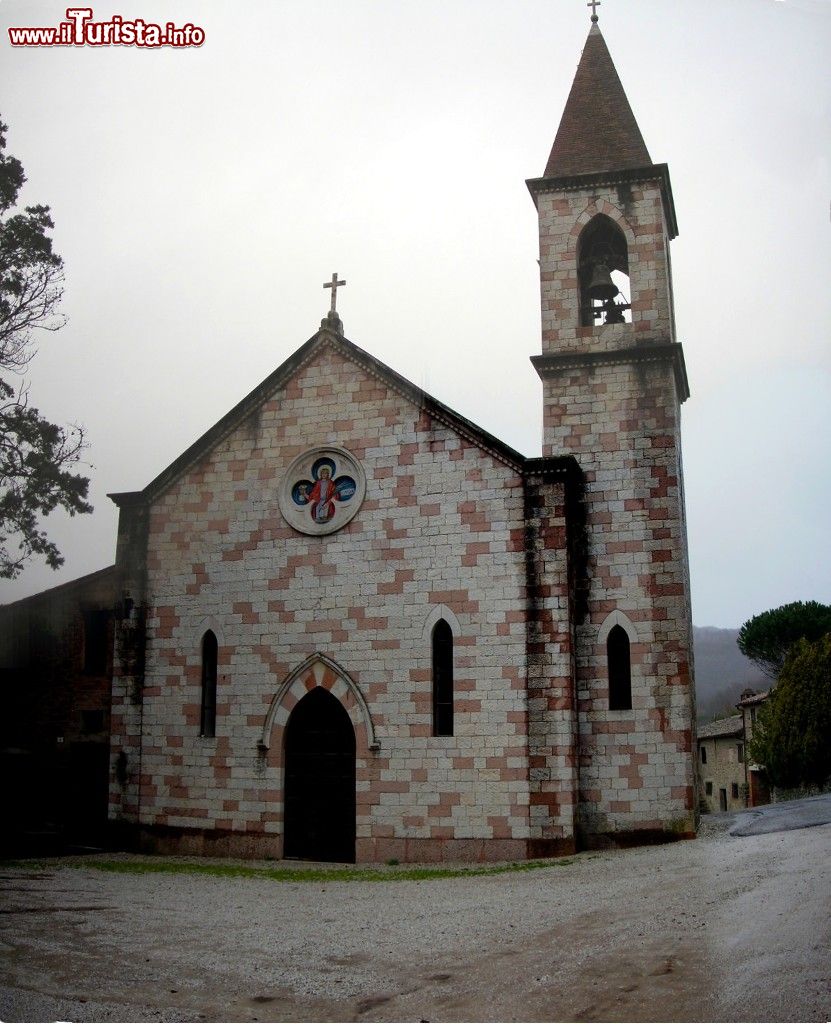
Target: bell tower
[(613, 383)]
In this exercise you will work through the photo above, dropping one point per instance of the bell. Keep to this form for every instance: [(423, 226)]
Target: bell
[(613, 312), (601, 286)]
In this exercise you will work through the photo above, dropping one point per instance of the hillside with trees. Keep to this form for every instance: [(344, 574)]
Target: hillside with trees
[(722, 672)]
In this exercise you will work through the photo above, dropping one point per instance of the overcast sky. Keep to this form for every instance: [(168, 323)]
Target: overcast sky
[(201, 198)]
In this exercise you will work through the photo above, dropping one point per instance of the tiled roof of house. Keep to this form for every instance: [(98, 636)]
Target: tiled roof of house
[(92, 579), (753, 698), (731, 726)]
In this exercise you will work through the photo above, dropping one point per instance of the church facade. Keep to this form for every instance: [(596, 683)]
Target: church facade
[(352, 625)]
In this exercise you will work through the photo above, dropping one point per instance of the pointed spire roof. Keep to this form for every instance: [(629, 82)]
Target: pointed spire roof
[(598, 131)]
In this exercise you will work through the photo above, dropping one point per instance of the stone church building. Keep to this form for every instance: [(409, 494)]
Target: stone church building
[(352, 625)]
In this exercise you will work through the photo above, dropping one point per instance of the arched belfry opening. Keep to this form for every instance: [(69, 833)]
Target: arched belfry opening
[(319, 777), (603, 273)]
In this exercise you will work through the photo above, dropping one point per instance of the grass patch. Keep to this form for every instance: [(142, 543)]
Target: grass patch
[(285, 874)]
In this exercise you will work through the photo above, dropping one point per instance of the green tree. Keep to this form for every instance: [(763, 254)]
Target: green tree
[(767, 638), (36, 456), (792, 736)]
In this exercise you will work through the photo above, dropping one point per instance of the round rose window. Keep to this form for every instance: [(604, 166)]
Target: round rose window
[(322, 490)]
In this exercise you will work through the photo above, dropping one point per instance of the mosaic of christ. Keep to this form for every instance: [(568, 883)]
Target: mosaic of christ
[(323, 490)]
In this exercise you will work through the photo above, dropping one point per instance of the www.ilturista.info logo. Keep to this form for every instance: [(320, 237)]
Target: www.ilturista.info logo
[(80, 30)]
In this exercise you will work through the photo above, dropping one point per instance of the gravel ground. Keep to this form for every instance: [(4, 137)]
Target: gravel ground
[(722, 928)]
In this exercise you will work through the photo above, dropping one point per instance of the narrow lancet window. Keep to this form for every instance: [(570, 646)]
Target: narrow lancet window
[(442, 679), (209, 661), (620, 672), (603, 272)]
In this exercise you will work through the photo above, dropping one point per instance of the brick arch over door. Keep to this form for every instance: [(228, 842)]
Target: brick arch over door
[(318, 670)]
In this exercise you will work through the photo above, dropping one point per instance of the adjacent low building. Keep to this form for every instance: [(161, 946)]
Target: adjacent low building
[(56, 659), (728, 781), (721, 762)]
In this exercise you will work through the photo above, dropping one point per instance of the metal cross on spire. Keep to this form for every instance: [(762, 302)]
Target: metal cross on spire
[(334, 284), (594, 4)]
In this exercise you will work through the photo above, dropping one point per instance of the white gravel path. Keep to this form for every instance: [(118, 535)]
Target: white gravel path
[(722, 928)]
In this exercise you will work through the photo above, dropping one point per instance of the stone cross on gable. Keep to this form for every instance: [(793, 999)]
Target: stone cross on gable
[(334, 284), (594, 4)]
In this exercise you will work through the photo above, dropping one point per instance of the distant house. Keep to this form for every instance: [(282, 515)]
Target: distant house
[(721, 764), (757, 787), (728, 781)]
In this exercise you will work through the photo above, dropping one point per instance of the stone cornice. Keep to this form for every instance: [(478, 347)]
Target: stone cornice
[(435, 409), (276, 381), (127, 499), (580, 182), (553, 467), (552, 365)]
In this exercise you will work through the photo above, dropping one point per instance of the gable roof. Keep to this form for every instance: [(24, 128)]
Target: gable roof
[(598, 131), (81, 583), (749, 698), (724, 727), (328, 336)]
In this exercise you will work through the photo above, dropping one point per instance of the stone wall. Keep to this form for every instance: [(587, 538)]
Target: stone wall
[(637, 208), (612, 398), (441, 533)]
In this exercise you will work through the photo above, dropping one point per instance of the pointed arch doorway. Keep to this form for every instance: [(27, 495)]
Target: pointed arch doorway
[(320, 780)]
